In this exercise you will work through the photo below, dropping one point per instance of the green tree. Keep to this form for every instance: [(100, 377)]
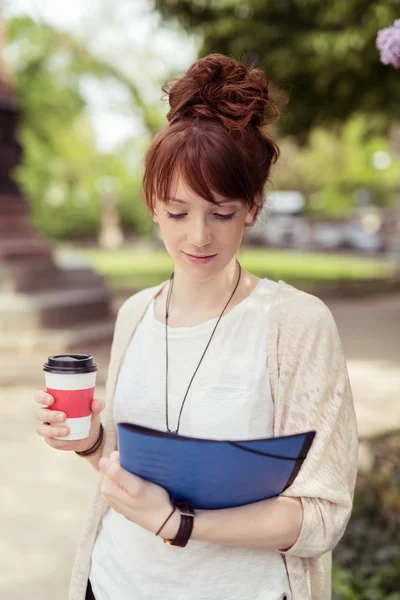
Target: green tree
[(322, 53), (334, 165), (61, 165)]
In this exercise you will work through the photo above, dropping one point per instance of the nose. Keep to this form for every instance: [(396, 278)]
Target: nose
[(199, 234)]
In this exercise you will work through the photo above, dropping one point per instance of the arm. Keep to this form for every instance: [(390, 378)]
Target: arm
[(273, 523), (93, 459), (313, 393)]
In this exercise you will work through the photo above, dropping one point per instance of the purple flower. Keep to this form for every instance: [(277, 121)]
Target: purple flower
[(388, 43)]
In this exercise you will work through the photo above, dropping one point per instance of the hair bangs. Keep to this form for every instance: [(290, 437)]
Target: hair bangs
[(208, 158)]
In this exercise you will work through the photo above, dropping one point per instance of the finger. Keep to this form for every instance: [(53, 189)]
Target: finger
[(114, 456), (56, 443), (110, 487), (43, 397), (97, 406), (131, 483), (50, 416), (47, 430)]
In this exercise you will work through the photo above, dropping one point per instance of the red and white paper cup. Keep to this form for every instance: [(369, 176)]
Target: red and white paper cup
[(71, 379)]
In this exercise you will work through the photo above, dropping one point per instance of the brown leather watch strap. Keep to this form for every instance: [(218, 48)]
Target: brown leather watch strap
[(186, 525)]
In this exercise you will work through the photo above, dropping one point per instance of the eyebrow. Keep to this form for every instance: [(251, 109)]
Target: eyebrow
[(219, 203)]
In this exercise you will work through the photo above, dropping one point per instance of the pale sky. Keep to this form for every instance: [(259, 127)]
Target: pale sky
[(127, 33)]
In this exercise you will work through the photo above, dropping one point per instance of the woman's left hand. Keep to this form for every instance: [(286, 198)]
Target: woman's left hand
[(137, 499)]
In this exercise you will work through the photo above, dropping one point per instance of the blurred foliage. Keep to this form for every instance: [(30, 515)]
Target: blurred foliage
[(322, 54), (62, 169), (367, 559), (332, 167)]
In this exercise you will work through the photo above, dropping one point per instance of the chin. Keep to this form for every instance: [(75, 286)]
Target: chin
[(201, 272), (198, 272)]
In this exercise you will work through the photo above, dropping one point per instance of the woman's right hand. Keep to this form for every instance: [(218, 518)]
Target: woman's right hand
[(52, 425)]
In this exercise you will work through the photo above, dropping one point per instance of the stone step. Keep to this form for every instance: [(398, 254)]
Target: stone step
[(83, 338), (23, 248), (44, 275), (59, 309), (11, 225), (13, 204)]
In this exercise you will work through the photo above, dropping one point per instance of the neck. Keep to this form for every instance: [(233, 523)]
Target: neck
[(190, 296)]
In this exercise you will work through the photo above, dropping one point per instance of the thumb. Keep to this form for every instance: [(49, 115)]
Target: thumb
[(97, 406)]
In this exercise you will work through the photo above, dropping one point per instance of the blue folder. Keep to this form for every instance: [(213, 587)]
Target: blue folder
[(212, 474)]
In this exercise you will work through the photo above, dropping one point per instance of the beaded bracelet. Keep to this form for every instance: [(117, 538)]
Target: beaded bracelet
[(95, 446)]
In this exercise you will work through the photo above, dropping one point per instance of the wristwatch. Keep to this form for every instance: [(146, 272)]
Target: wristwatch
[(186, 526)]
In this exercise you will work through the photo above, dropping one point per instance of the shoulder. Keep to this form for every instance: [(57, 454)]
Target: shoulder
[(129, 314), (303, 331), (136, 304), (295, 310)]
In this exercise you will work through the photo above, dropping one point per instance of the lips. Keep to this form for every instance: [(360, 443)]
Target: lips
[(200, 255), (199, 260)]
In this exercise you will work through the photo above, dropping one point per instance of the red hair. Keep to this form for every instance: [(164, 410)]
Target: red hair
[(216, 138)]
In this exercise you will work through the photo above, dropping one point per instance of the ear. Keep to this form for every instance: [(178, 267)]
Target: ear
[(251, 215)]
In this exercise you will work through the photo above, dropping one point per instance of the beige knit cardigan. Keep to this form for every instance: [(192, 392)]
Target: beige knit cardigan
[(311, 391)]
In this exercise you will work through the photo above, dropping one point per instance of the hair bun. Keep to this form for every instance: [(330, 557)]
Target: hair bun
[(219, 87)]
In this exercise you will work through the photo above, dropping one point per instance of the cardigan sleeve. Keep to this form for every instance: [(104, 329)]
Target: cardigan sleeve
[(118, 347), (315, 394)]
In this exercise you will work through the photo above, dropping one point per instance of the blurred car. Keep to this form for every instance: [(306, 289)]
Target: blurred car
[(359, 238), (328, 235), (281, 222)]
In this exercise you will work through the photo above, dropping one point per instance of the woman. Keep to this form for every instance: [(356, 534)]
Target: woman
[(217, 352)]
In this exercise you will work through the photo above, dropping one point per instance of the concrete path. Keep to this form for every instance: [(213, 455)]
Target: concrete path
[(45, 493), (370, 332)]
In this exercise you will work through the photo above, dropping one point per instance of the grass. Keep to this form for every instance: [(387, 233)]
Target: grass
[(140, 268)]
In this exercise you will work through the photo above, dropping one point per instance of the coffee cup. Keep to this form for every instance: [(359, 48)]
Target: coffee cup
[(71, 379)]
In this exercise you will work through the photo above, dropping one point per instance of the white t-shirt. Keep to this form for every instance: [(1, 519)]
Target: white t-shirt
[(229, 398)]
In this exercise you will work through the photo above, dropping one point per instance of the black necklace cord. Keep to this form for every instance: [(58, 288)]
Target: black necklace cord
[(166, 347)]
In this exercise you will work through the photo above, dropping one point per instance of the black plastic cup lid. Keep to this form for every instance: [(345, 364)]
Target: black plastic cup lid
[(70, 364)]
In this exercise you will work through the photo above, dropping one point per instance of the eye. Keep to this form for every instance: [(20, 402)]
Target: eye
[(174, 216), (224, 217), (180, 216)]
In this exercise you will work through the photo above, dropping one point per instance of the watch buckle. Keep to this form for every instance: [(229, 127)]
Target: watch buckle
[(169, 542), (186, 513)]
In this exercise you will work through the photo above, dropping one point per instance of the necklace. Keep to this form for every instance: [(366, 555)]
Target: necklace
[(171, 283)]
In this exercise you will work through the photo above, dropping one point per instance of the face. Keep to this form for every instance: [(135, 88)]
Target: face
[(201, 238)]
